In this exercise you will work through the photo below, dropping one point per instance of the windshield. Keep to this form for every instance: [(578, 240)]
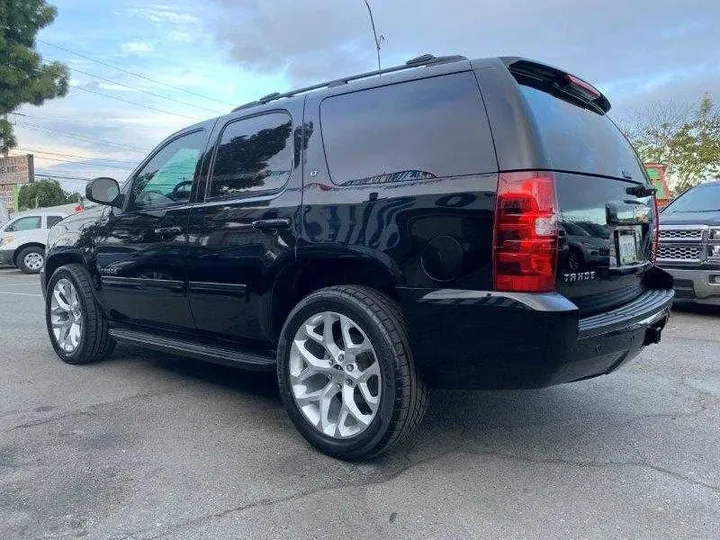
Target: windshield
[(704, 198)]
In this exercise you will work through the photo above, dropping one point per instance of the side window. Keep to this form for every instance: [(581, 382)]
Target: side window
[(254, 155), (427, 128), (168, 177), (24, 224), (53, 220)]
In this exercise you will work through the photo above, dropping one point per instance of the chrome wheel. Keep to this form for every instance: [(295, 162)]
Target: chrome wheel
[(33, 261), (335, 375), (66, 315)]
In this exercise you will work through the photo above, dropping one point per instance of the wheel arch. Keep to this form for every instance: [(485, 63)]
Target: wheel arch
[(310, 274), (54, 261)]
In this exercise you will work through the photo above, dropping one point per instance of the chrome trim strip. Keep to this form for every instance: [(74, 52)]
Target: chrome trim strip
[(209, 287), (534, 301), (141, 283), (683, 227)]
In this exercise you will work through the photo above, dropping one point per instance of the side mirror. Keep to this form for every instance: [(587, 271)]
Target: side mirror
[(104, 190)]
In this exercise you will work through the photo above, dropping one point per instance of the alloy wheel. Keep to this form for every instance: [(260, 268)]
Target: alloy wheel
[(335, 375), (66, 315)]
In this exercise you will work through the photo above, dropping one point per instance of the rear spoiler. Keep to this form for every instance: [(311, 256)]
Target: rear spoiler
[(558, 79)]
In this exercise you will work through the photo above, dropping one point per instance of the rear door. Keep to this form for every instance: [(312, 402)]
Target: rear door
[(244, 232)]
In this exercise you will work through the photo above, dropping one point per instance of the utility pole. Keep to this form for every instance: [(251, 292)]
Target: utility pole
[(375, 35), (5, 151)]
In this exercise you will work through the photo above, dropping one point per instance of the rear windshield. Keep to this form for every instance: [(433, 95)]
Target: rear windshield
[(579, 139), (699, 199)]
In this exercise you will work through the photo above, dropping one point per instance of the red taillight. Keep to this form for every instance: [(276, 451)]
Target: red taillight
[(526, 233), (79, 208), (586, 88)]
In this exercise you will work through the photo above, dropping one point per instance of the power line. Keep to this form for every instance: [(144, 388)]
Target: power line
[(94, 165), (36, 127), (134, 103), (55, 176), (62, 119), (214, 111), (35, 151), (103, 63)]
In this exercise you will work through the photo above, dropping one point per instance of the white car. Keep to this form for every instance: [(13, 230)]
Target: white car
[(23, 239)]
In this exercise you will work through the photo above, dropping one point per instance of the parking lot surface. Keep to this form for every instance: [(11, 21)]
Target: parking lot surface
[(147, 446)]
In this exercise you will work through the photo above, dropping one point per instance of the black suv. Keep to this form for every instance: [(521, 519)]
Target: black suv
[(452, 223)]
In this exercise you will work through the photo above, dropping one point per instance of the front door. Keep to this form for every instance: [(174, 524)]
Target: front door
[(141, 249), (244, 232)]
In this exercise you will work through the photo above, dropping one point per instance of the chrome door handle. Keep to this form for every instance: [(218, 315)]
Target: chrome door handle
[(167, 231), (271, 224)]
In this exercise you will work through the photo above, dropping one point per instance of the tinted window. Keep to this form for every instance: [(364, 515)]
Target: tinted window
[(699, 199), (25, 224), (168, 176), (419, 129), (254, 155), (53, 220), (579, 139)]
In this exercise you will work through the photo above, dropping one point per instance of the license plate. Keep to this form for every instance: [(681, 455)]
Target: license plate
[(627, 247)]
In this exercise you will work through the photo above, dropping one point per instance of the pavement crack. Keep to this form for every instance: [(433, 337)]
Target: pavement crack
[(87, 411), (271, 501), (597, 464)]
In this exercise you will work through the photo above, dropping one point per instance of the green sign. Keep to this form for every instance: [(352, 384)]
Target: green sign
[(654, 174)]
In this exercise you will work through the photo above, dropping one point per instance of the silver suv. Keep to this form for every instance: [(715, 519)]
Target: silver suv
[(689, 246)]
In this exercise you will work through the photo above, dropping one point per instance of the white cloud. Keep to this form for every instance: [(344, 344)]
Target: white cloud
[(641, 39), (182, 36), (160, 13), (137, 47)]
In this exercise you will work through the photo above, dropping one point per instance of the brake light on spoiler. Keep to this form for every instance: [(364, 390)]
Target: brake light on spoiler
[(525, 244), (588, 90)]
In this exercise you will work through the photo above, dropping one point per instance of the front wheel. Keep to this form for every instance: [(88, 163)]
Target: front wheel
[(76, 325), (31, 260), (346, 374)]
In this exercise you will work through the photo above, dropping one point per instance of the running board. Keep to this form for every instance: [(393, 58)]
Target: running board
[(201, 351)]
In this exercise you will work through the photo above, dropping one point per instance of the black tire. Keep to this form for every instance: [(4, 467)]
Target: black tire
[(404, 398), (95, 341), (20, 261)]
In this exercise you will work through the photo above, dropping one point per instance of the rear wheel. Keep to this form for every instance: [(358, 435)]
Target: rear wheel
[(76, 325), (31, 260), (346, 374)]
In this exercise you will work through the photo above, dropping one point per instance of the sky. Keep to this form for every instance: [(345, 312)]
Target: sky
[(182, 61)]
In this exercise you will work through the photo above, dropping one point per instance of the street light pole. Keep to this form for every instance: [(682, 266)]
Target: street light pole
[(375, 36)]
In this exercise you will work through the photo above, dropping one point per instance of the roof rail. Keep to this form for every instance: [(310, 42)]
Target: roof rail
[(424, 60)]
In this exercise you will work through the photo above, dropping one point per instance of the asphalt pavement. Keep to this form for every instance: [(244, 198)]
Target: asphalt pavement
[(146, 446)]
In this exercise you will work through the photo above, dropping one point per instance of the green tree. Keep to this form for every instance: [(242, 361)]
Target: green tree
[(44, 193), (24, 78), (686, 139), (73, 198)]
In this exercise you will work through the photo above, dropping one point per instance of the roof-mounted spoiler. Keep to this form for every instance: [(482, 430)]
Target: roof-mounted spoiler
[(561, 80)]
